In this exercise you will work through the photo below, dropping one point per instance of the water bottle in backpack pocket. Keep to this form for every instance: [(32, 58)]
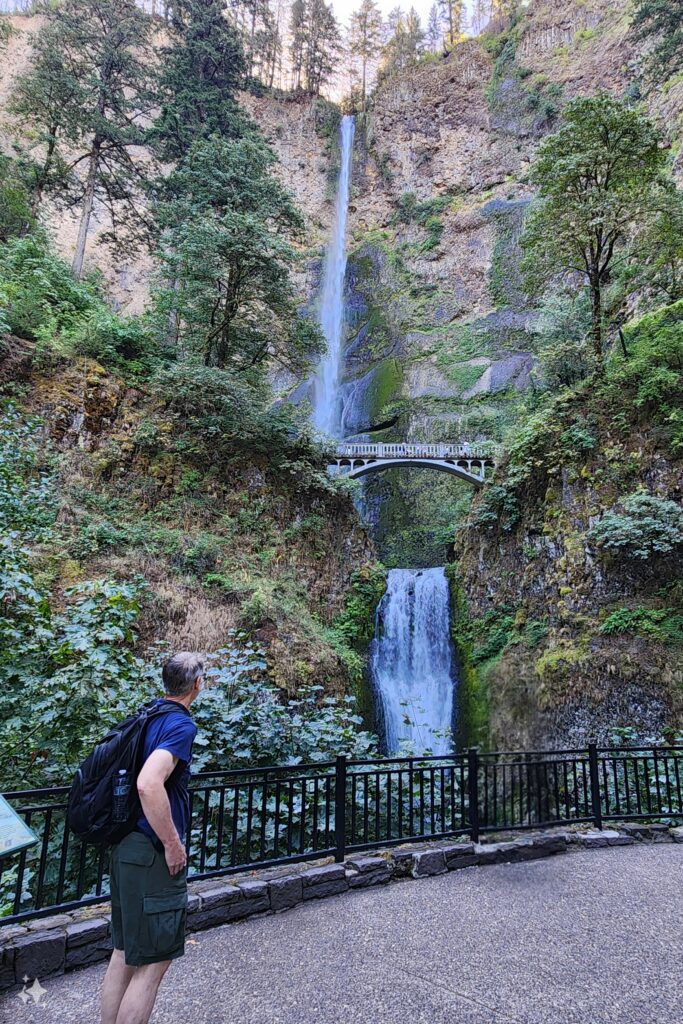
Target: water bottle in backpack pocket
[(121, 790)]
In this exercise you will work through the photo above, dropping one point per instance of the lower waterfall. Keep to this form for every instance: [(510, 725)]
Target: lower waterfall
[(412, 666)]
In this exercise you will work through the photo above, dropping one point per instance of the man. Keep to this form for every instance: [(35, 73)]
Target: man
[(148, 866)]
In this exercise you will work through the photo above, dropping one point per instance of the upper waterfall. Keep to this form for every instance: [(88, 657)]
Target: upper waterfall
[(412, 664), (326, 397)]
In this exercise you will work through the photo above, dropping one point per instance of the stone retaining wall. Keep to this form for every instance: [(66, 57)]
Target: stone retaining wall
[(52, 945)]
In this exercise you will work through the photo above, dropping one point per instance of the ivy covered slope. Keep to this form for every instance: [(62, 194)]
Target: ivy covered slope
[(569, 606), (149, 483)]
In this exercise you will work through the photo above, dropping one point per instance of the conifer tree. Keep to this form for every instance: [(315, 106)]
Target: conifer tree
[(405, 41), (88, 90), (365, 39), (660, 22), (227, 258), (315, 44), (434, 29), (453, 13), (297, 31), (201, 70)]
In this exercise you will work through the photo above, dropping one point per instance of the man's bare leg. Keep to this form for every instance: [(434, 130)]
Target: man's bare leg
[(115, 983), (138, 999)]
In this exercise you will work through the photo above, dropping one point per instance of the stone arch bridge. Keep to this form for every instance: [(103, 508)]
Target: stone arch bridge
[(469, 462)]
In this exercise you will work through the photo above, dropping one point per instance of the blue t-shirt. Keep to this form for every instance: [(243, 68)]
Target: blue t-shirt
[(174, 731)]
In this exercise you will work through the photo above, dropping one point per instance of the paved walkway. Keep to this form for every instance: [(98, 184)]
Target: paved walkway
[(587, 938)]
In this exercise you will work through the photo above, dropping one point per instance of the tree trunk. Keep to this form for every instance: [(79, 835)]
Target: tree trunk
[(364, 69), (86, 213), (41, 180), (596, 322)]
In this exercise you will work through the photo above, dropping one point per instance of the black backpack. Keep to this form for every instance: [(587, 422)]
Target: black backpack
[(90, 809)]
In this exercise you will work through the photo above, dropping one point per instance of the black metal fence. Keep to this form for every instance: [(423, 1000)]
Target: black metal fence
[(268, 816)]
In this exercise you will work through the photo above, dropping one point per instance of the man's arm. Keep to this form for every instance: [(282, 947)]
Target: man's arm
[(156, 806)]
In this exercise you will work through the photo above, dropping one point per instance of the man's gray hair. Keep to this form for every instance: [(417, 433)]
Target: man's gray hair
[(180, 672)]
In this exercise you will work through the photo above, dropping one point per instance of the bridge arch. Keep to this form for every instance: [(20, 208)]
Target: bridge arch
[(467, 462)]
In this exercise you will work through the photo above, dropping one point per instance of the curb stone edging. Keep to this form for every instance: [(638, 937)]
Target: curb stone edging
[(45, 947)]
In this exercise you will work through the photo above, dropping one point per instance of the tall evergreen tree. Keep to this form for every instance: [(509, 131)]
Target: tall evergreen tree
[(482, 11), (315, 44), (405, 41), (453, 14), (365, 39), (434, 29), (227, 258), (201, 70), (660, 22), (599, 178), (41, 98), (323, 45), (297, 31), (88, 90)]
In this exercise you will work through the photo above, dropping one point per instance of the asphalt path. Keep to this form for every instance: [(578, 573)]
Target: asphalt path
[(594, 937)]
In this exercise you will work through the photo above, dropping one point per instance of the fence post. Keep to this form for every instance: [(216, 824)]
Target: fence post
[(473, 790), (340, 809), (596, 799)]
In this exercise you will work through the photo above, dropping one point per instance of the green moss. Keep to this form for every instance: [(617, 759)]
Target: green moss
[(556, 663), (472, 697), (385, 386)]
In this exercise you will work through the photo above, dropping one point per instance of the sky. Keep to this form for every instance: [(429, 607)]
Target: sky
[(344, 8)]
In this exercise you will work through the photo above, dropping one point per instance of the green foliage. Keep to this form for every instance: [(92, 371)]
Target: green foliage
[(41, 300), (598, 177), (653, 372), (65, 675), (641, 526), (39, 296), (85, 97), (351, 632), (16, 215), (244, 723), (28, 505), (562, 328), (498, 507), (662, 624), (658, 23), (214, 401), (201, 71), (226, 260)]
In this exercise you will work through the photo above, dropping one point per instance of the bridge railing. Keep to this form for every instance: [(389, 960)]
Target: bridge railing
[(267, 816), (422, 451)]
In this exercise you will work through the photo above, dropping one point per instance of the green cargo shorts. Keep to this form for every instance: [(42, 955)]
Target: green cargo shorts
[(148, 904)]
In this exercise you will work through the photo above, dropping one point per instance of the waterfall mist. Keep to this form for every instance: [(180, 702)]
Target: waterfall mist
[(326, 395), (412, 663)]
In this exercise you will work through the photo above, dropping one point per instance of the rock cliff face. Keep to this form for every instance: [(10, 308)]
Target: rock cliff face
[(560, 641)]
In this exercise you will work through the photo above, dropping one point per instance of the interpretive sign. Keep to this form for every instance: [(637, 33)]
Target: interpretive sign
[(15, 834)]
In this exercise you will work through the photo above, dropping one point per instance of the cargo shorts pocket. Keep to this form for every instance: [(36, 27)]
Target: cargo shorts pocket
[(165, 919)]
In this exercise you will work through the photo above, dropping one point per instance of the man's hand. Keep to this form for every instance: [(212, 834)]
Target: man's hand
[(176, 858)]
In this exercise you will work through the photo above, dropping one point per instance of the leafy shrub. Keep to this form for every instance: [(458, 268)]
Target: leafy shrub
[(243, 721), (663, 624), (39, 297), (653, 371), (562, 329), (42, 301), (641, 526), (498, 506), (216, 400), (15, 204)]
